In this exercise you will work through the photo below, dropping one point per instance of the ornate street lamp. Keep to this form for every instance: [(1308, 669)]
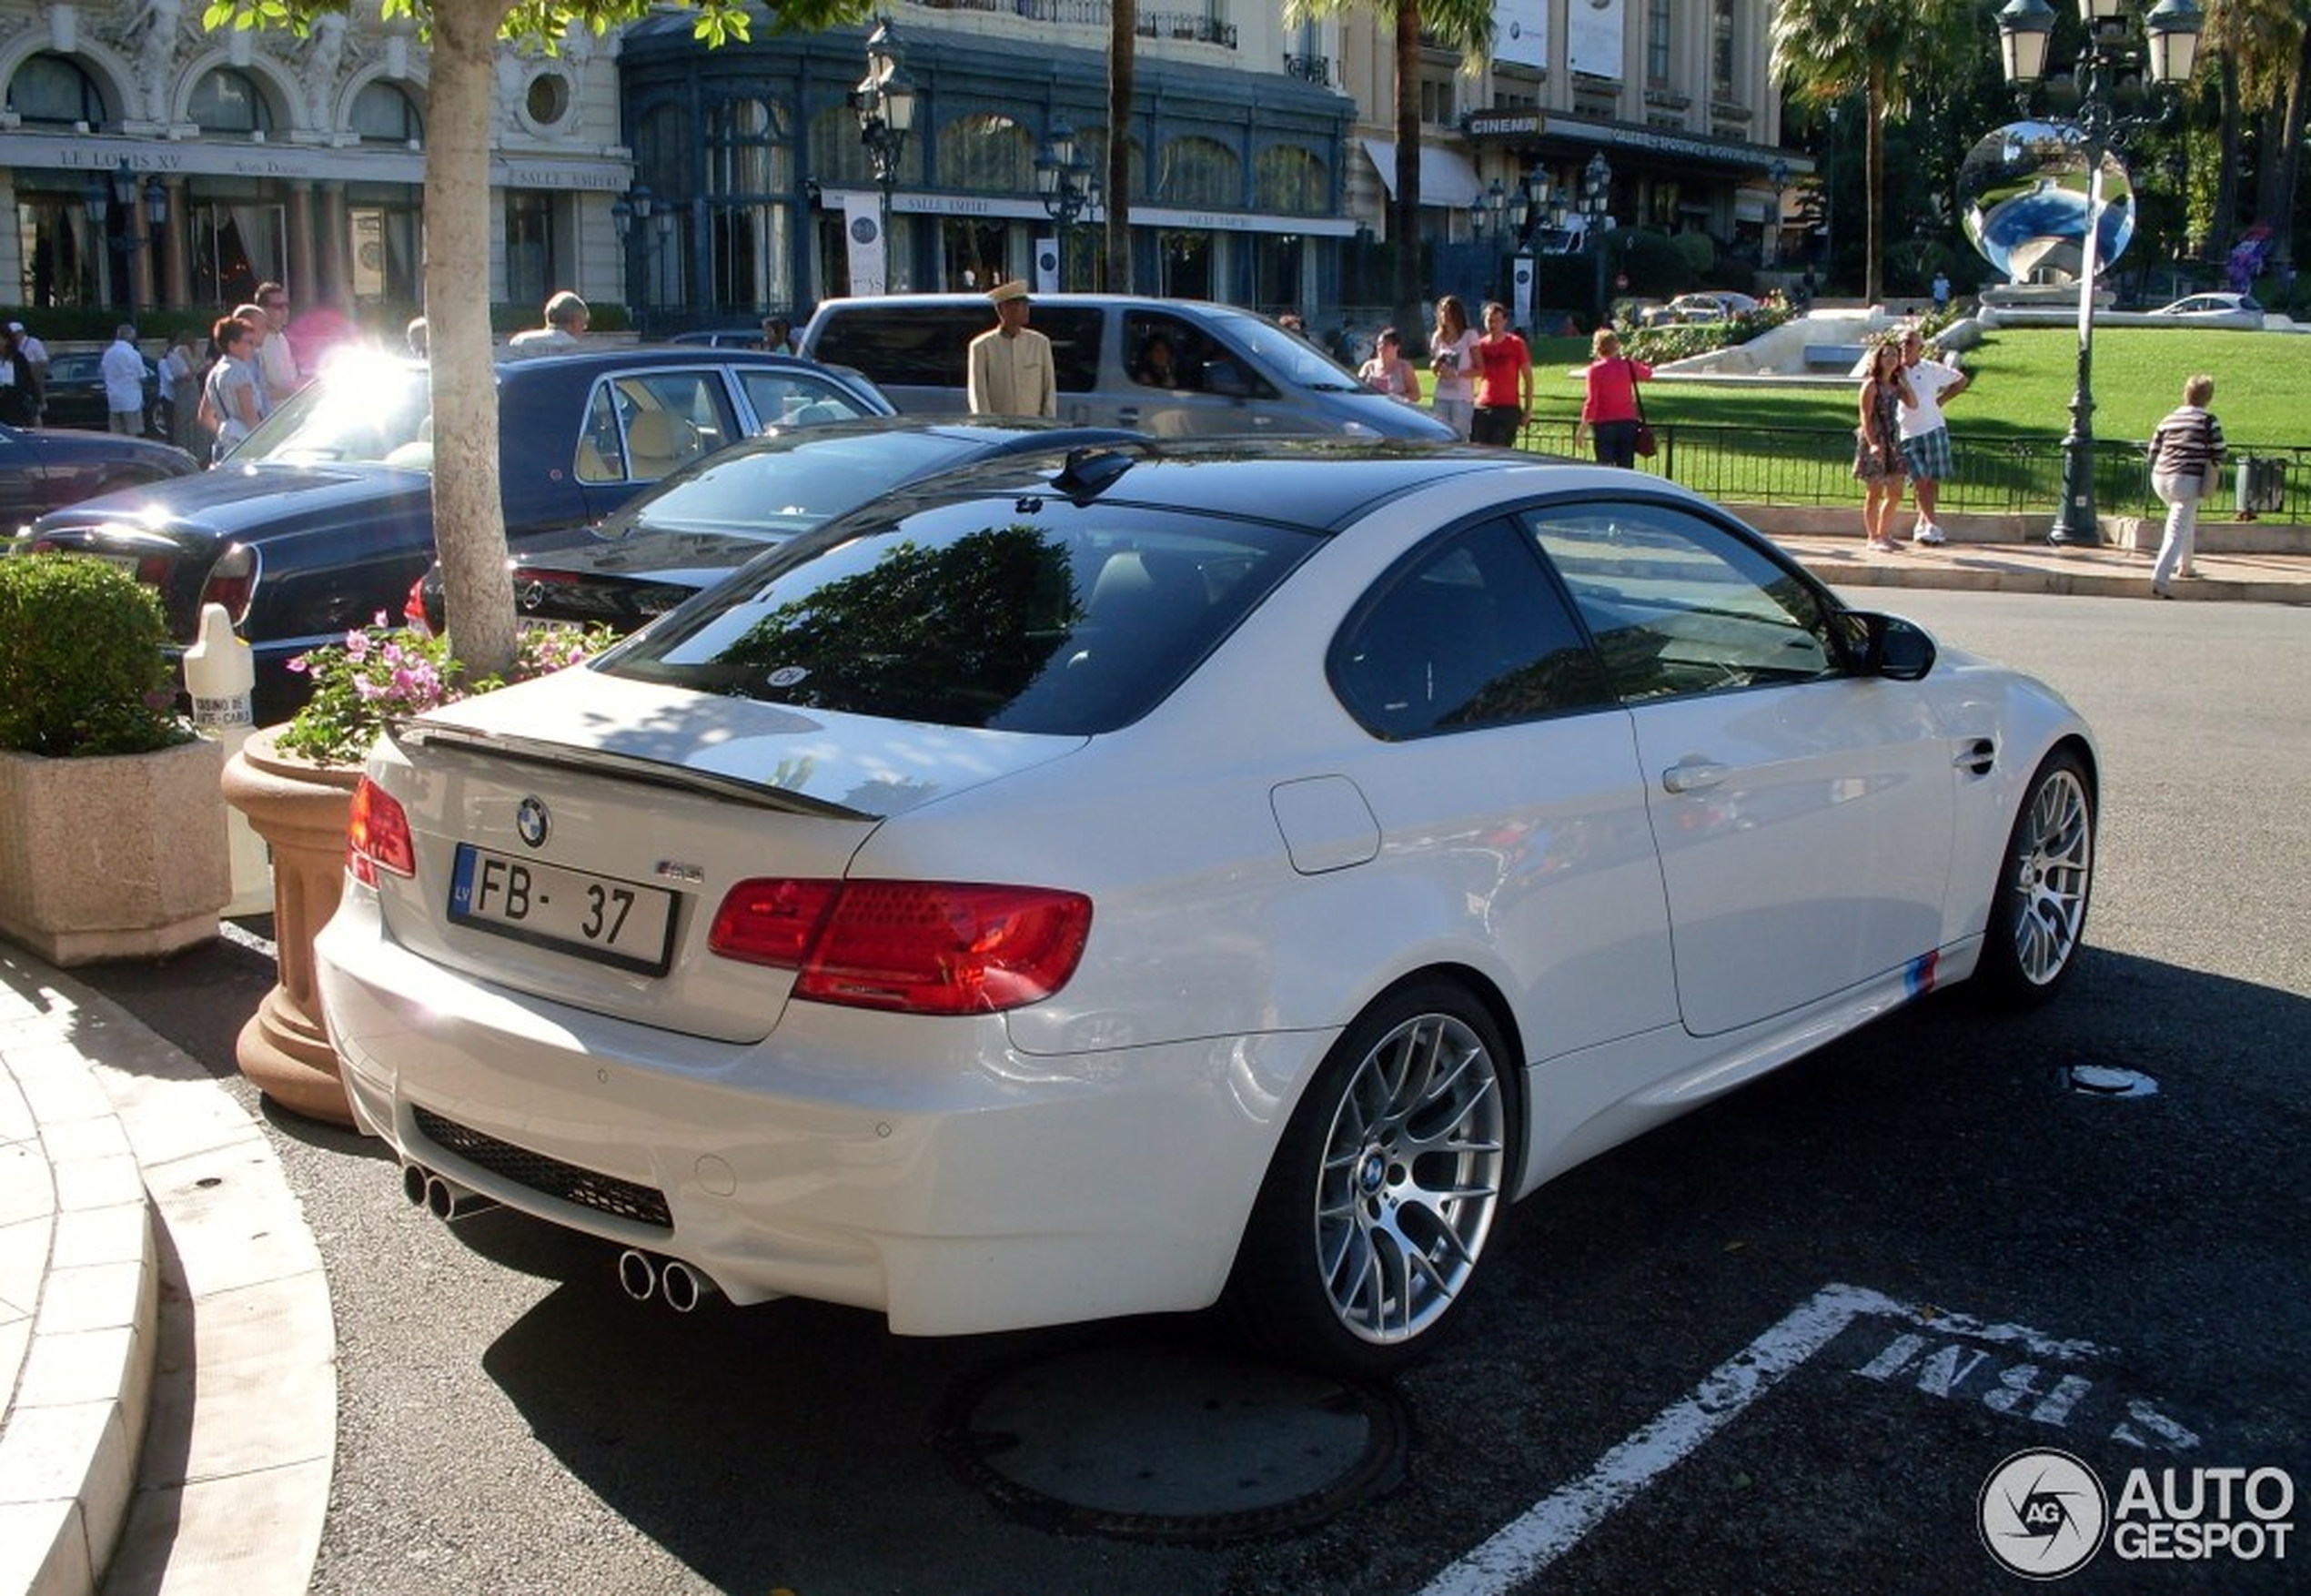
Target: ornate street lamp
[(885, 104), (633, 206), (2171, 32), (1777, 177), (1596, 206), (1067, 184)]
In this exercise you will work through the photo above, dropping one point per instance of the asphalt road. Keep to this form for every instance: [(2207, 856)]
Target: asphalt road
[(1781, 1345)]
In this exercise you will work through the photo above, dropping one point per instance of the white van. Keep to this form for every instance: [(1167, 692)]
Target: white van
[(1230, 371)]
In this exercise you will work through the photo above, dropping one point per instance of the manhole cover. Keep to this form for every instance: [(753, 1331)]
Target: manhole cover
[(2103, 1080), (1170, 1442)]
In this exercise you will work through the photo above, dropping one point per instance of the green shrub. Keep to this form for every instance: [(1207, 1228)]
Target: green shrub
[(81, 668)]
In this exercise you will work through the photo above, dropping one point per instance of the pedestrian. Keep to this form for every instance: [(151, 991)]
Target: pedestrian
[(1290, 322), (778, 334), (276, 358), (231, 405), (1940, 290), (1011, 372), (1389, 371), (1925, 434), (252, 314), (2186, 451), (1505, 381), (180, 381), (567, 319), (417, 337), (1610, 411), (1452, 357), (19, 387), (35, 357), (123, 370), (1877, 442)]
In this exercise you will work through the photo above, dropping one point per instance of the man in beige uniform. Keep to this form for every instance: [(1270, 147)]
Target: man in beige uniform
[(1010, 365)]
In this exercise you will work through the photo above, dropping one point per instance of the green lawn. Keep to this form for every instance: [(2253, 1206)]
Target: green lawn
[(2023, 378)]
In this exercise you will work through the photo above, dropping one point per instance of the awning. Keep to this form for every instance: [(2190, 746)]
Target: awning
[(1445, 176)]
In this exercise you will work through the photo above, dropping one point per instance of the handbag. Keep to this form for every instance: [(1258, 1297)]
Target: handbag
[(1646, 442)]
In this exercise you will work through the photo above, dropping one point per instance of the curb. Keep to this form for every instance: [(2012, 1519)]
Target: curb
[(231, 1380)]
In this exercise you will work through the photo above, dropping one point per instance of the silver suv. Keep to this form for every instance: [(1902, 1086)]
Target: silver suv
[(1173, 367)]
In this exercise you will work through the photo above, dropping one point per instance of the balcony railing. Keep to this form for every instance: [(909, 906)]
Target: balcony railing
[(1315, 69), (1151, 24)]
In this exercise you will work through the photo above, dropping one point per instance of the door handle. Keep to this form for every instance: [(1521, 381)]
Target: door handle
[(1692, 775), (1128, 416)]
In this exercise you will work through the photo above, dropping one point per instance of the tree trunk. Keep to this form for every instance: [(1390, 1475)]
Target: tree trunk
[(1122, 60), (1874, 179), (1404, 216), (2225, 228), (468, 516), (2290, 155)]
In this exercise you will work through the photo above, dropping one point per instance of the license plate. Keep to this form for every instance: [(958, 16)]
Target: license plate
[(621, 923)]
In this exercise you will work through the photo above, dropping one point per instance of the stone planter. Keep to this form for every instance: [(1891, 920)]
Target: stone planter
[(300, 808), (119, 856)]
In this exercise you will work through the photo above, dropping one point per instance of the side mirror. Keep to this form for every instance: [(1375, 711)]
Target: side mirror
[(1890, 647)]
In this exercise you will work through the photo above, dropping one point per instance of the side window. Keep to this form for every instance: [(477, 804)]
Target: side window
[(671, 417), (1471, 633), (1074, 343), (1163, 351), (601, 454), (1678, 605), (794, 399)]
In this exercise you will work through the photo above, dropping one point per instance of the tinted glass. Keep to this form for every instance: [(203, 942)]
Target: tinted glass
[(796, 399), (368, 407), (928, 346), (1471, 633), (784, 490), (1026, 616), (1679, 605)]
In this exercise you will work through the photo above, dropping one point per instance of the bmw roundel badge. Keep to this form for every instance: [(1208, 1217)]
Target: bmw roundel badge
[(532, 821)]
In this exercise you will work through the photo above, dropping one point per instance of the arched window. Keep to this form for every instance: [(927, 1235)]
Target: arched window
[(227, 100), (988, 153), (384, 114), (1200, 172), (839, 155), (748, 148), (1091, 144), (52, 91), (1292, 181)]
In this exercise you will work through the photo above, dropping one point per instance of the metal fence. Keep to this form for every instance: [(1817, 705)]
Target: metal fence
[(1814, 465)]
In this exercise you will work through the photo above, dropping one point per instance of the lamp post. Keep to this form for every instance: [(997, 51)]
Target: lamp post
[(886, 102), (144, 207), (1777, 176), (1829, 203), (1596, 206), (1067, 184), (2171, 31), (633, 206)]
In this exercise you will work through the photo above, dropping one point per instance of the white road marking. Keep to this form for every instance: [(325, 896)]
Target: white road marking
[(240, 936), (1560, 1523)]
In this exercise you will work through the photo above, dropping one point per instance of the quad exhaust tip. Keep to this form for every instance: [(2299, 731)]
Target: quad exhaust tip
[(443, 1199), (672, 1281)]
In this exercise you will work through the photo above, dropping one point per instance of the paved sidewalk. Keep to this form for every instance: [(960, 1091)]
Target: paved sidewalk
[(166, 1344)]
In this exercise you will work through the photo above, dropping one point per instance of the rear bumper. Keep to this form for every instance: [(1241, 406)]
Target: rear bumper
[(921, 1168)]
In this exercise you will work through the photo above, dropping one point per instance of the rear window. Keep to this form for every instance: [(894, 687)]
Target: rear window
[(1033, 614), (927, 345)]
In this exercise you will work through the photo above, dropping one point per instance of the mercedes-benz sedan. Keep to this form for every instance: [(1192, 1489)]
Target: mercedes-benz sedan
[(1197, 874)]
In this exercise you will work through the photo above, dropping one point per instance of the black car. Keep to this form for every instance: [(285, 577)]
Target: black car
[(322, 518), (76, 392), (698, 525), (47, 469)]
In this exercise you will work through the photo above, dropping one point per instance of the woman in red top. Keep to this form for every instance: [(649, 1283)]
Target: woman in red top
[(1505, 383), (1610, 411)]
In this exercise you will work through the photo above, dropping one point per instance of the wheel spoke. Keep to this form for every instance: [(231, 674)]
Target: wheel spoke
[(2055, 866)]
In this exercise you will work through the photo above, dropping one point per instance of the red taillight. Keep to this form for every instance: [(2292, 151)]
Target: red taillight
[(376, 836), (922, 946), (231, 581), (413, 610)]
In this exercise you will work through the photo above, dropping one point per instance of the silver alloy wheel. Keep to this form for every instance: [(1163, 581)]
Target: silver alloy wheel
[(1411, 1178), (2054, 868)]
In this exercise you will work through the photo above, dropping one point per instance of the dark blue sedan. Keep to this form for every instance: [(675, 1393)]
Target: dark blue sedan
[(323, 517), (47, 469)]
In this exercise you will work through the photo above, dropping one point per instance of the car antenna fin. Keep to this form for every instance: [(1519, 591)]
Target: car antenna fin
[(1090, 471)]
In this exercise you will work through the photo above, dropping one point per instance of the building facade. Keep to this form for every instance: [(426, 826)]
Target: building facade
[(147, 161)]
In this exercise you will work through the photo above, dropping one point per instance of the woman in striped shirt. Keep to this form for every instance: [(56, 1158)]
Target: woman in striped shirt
[(2185, 450)]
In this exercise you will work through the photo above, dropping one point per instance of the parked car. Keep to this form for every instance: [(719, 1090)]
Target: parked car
[(705, 521), (49, 469), (1715, 304), (323, 516), (1237, 372), (2223, 310), (1206, 871), (76, 392)]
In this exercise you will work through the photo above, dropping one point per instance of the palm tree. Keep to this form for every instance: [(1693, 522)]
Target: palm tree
[(1826, 50), (1465, 26), (2260, 49)]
